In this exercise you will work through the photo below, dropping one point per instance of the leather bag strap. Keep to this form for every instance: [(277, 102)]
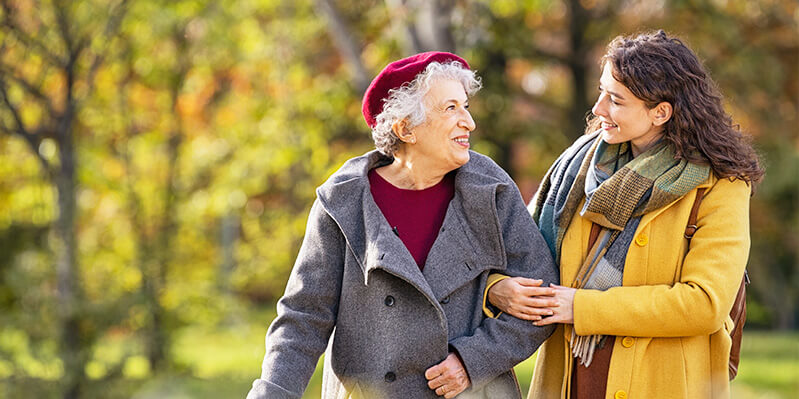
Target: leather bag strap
[(690, 228), (595, 228)]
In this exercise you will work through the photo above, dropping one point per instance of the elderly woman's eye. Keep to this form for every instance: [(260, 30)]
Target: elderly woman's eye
[(451, 108)]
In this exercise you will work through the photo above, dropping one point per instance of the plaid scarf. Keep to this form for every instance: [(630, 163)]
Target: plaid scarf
[(618, 190)]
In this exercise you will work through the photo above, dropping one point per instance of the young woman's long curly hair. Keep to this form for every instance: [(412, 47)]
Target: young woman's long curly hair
[(657, 68)]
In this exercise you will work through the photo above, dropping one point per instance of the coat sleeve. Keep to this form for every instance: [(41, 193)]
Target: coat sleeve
[(306, 314), (500, 343), (700, 301)]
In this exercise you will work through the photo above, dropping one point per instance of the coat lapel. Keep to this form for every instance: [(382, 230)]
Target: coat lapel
[(385, 251), (346, 198), (469, 242), (452, 261)]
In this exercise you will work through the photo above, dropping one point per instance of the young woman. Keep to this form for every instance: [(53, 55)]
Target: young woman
[(641, 312)]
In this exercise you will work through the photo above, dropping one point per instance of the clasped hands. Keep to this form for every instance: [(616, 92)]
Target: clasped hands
[(526, 299)]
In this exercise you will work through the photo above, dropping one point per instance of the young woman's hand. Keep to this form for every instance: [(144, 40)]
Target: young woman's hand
[(564, 311), (523, 298)]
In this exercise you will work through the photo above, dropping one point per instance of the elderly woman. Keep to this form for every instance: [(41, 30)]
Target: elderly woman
[(398, 247), (643, 312)]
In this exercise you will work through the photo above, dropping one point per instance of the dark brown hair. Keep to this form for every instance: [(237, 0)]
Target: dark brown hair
[(657, 68)]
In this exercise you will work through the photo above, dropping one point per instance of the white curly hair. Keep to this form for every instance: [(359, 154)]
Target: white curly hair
[(407, 102)]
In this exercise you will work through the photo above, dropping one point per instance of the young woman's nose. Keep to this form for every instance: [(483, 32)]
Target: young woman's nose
[(600, 107)]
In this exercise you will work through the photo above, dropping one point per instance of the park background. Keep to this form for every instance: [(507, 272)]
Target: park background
[(158, 159)]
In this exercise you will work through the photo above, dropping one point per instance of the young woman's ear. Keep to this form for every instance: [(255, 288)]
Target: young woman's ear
[(661, 113), (400, 129)]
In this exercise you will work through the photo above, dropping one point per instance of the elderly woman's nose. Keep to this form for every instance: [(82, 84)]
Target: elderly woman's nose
[(466, 121)]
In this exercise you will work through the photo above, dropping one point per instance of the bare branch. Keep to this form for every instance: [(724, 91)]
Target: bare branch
[(441, 15), (111, 28), (26, 39), (62, 21), (432, 25), (345, 42), (400, 9), (13, 110), (32, 140), (6, 74)]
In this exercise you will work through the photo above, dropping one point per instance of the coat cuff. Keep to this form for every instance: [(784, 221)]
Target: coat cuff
[(488, 309), (583, 309), (263, 389), (473, 362)]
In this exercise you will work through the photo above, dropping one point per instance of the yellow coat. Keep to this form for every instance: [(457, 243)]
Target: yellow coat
[(671, 313)]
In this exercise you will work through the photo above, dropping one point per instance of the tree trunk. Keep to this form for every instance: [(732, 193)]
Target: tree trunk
[(229, 235), (578, 21), (67, 274)]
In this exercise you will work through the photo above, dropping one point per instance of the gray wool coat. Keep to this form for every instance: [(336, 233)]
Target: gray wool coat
[(355, 280)]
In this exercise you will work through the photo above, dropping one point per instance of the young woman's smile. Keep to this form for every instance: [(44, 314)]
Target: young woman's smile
[(623, 116)]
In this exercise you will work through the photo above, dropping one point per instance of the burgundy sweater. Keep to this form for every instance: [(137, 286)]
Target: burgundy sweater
[(415, 215)]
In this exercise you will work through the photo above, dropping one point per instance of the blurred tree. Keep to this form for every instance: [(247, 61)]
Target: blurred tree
[(189, 84), (51, 53)]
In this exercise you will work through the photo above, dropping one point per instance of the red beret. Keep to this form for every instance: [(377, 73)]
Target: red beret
[(395, 75)]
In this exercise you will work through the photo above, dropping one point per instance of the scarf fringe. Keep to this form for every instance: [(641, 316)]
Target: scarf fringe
[(584, 346)]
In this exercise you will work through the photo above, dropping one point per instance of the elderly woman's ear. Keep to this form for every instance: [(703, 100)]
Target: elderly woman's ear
[(402, 131)]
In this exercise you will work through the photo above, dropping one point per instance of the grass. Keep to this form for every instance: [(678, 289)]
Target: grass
[(769, 365), (222, 362)]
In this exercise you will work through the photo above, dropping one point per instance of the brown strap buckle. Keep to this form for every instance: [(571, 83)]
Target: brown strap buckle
[(690, 230)]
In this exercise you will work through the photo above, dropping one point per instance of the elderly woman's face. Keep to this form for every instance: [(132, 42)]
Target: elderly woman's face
[(444, 136)]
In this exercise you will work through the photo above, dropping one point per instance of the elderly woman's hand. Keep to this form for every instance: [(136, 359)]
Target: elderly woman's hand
[(448, 378), (564, 311), (523, 298)]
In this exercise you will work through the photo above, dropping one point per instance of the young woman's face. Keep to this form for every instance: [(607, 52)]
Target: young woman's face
[(624, 116)]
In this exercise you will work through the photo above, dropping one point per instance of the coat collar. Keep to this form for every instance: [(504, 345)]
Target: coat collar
[(647, 218), (469, 242)]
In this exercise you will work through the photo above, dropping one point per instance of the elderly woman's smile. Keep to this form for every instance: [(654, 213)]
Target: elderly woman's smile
[(443, 139)]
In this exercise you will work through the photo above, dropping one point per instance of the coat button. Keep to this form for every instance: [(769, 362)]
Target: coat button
[(390, 377), (642, 239), (627, 342), (620, 395), (445, 300), (389, 301)]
